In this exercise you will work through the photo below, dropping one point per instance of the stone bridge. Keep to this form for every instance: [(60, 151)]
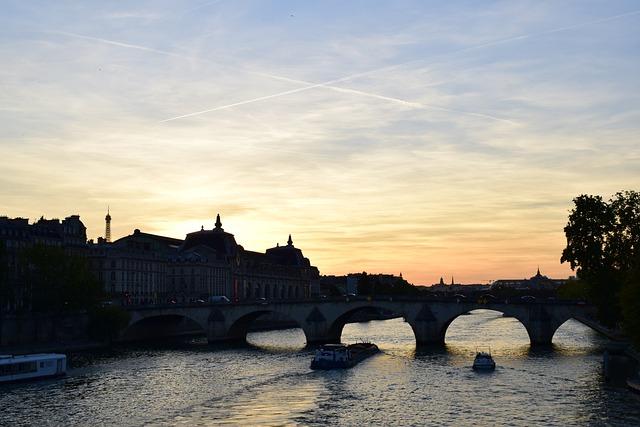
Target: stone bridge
[(323, 320)]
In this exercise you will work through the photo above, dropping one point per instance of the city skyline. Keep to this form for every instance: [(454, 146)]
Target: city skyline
[(426, 139)]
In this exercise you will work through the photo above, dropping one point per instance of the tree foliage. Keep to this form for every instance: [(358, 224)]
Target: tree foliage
[(603, 245), (5, 290), (59, 281), (573, 290), (630, 302), (370, 284)]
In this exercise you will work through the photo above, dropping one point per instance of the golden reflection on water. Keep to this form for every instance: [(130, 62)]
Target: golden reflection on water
[(266, 405), (269, 382)]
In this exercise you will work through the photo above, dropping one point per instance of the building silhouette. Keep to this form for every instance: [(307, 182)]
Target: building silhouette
[(16, 235), (538, 282), (144, 268)]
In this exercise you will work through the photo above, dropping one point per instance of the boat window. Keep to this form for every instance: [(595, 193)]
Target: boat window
[(19, 368)]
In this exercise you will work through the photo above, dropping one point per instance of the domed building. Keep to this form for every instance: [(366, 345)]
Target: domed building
[(145, 268), (211, 263)]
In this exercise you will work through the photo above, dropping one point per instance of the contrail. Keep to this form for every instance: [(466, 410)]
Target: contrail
[(329, 84), (410, 104), (542, 33), (309, 85), (248, 101), (423, 106), (120, 44)]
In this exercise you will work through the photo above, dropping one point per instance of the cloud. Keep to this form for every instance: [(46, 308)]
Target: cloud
[(391, 168)]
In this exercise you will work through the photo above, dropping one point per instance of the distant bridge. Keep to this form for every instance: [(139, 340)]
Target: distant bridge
[(322, 321)]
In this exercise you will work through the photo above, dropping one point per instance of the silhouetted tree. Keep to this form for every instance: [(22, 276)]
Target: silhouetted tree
[(370, 284), (573, 290), (630, 302), (603, 240), (364, 284), (4, 280), (59, 281)]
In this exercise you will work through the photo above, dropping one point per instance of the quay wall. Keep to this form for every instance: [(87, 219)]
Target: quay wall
[(43, 329)]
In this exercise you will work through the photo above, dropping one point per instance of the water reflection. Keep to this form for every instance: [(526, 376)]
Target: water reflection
[(284, 340), (268, 382)]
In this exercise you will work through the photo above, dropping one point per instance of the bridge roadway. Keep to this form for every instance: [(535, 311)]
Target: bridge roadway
[(322, 320)]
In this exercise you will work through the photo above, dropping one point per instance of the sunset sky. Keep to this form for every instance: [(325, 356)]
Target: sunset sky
[(428, 138)]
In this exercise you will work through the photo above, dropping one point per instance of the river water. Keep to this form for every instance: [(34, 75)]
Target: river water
[(269, 383)]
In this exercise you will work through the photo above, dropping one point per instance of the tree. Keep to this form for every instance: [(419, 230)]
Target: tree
[(58, 281), (603, 242), (573, 290), (630, 302), (4, 279), (365, 287)]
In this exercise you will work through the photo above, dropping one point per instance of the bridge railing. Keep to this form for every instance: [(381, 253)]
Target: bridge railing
[(483, 300)]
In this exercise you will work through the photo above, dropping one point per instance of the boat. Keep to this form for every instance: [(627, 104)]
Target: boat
[(32, 366), (484, 361), (341, 356)]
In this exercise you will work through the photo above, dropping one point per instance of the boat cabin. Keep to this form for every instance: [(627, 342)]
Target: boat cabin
[(16, 368), (333, 352)]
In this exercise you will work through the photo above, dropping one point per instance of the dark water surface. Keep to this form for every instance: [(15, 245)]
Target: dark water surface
[(270, 383)]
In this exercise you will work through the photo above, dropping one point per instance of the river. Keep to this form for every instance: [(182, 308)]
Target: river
[(268, 382)]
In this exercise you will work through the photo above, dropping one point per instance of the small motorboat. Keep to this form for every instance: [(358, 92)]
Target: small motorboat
[(341, 356), (32, 366), (484, 361)]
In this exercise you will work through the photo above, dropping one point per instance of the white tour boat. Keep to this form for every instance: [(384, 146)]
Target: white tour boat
[(31, 366), (484, 361)]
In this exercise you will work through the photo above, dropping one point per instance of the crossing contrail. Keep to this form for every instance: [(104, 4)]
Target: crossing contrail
[(308, 85), (331, 83), (405, 103)]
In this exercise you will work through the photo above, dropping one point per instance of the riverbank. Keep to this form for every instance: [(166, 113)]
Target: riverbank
[(612, 334)]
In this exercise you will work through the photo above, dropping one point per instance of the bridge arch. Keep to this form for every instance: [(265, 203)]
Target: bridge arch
[(164, 325), (336, 327), (448, 321), (240, 326), (586, 323)]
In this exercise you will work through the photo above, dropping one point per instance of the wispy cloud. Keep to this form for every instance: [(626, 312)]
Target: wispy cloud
[(445, 141)]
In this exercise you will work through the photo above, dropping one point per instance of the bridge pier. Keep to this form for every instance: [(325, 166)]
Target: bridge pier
[(218, 333), (541, 333), (541, 325), (428, 333), (320, 332)]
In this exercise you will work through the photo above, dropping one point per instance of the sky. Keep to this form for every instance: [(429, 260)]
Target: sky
[(433, 139)]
